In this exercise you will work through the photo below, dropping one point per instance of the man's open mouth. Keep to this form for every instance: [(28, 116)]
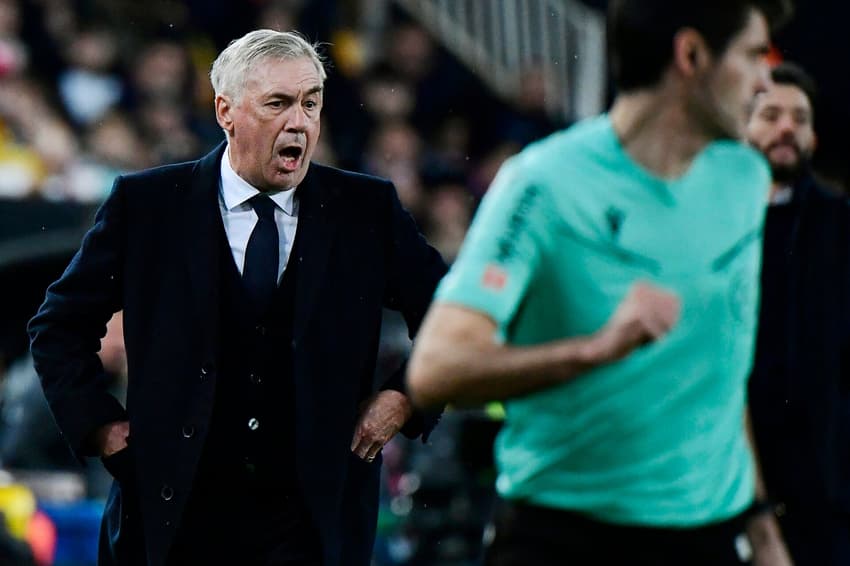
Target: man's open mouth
[(291, 152), (291, 155)]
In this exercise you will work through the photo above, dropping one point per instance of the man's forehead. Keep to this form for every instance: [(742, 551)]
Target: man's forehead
[(289, 76), (302, 67), (784, 95)]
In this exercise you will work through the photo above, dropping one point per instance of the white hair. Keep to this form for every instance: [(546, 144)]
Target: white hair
[(231, 68)]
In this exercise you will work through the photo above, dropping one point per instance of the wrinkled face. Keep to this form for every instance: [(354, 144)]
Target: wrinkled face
[(781, 128), (274, 125), (730, 86)]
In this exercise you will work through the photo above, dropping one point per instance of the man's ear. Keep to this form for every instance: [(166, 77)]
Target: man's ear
[(223, 111), (690, 52)]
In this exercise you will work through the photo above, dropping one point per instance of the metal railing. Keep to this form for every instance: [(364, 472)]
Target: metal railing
[(504, 39)]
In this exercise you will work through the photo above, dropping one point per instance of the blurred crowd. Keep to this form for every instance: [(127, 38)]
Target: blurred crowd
[(90, 89)]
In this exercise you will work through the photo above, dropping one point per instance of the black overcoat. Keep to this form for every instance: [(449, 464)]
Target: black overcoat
[(153, 252)]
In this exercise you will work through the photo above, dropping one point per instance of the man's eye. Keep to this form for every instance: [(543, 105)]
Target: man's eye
[(801, 118)]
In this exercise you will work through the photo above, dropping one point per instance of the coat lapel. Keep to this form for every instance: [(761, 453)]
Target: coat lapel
[(316, 227), (202, 227)]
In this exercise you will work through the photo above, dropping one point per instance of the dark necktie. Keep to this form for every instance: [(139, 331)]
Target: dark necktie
[(261, 254)]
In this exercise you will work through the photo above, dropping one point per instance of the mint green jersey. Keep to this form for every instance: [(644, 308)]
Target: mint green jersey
[(568, 226)]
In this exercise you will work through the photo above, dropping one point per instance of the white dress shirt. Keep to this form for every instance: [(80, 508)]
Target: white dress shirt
[(239, 217)]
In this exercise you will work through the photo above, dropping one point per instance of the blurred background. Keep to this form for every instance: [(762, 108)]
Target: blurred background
[(433, 94)]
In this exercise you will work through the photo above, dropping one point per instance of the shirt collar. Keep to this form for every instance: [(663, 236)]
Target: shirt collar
[(236, 191), (782, 195)]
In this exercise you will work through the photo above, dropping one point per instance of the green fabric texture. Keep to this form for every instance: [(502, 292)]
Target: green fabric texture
[(568, 226)]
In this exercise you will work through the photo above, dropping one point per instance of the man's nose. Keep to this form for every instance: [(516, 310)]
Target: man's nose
[(763, 80), (297, 120), (786, 123)]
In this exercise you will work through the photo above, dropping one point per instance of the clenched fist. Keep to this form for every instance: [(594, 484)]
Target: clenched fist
[(646, 314)]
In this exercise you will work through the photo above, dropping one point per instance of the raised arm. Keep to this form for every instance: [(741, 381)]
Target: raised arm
[(456, 358)]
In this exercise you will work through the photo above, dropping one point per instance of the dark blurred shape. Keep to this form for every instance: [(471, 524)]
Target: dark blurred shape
[(37, 239), (454, 495), (14, 552)]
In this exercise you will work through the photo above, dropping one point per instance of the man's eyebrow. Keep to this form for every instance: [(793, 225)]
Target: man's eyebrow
[(763, 49), (291, 97)]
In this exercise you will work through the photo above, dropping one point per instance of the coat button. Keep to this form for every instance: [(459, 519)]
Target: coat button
[(188, 431), (255, 379), (166, 493), (253, 424)]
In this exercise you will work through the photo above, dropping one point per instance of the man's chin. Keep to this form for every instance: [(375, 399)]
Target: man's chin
[(786, 173), (285, 179)]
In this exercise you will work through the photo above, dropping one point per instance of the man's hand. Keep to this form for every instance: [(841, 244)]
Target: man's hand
[(381, 417), (111, 438), (768, 547), (645, 315)]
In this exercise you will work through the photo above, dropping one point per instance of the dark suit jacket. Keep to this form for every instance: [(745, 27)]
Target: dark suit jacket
[(153, 252), (801, 418)]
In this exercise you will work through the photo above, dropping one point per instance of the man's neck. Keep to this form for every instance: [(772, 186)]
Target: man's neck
[(780, 193), (657, 132)]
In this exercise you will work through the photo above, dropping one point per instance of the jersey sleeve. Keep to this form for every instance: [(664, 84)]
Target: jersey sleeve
[(502, 250)]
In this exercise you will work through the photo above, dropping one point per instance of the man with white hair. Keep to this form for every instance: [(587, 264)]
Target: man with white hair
[(252, 283)]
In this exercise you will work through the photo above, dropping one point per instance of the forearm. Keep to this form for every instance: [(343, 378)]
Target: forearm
[(456, 359), (460, 367), (761, 490), (80, 404), (65, 341), (418, 423), (762, 527), (66, 332)]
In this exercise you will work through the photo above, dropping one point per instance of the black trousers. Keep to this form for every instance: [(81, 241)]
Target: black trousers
[(529, 535), (817, 537), (244, 526)]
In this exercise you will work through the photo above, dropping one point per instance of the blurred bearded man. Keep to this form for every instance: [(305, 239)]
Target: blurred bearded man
[(782, 127), (799, 385)]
